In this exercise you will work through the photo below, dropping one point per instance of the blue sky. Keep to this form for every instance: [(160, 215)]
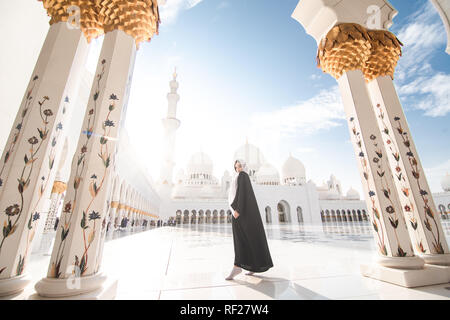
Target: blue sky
[(247, 69)]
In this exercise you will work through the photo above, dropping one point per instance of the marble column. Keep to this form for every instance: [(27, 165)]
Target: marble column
[(344, 50), (79, 240), (27, 166), (391, 234), (115, 200), (124, 199), (129, 213), (419, 209)]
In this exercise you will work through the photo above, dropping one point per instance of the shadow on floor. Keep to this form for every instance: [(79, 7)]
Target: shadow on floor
[(279, 288)]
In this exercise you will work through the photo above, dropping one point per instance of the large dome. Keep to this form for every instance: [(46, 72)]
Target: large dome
[(352, 194), (200, 163), (251, 154), (267, 174), (445, 183), (293, 171)]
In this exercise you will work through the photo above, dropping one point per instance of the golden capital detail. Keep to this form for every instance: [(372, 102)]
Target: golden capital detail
[(59, 187), (137, 18), (115, 204), (350, 46)]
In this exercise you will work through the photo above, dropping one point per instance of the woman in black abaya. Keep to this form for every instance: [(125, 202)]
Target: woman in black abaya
[(250, 244)]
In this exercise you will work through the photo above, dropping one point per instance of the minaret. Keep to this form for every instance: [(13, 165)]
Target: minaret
[(171, 124)]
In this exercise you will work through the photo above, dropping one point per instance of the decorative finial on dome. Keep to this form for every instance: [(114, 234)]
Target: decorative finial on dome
[(175, 75)]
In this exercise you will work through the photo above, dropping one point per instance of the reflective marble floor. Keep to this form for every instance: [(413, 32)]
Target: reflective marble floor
[(192, 261)]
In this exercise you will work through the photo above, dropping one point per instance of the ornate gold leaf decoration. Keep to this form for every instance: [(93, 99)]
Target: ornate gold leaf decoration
[(114, 204), (59, 187), (385, 53), (346, 47), (138, 18), (350, 46)]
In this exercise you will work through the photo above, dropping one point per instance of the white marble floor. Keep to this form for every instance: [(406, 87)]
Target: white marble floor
[(191, 262)]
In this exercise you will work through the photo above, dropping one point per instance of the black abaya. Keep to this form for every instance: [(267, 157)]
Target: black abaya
[(250, 244)]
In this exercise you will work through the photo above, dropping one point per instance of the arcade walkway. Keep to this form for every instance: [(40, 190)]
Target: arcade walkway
[(191, 262)]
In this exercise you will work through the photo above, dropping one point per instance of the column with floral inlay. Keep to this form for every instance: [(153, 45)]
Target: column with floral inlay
[(345, 47), (33, 149), (418, 206)]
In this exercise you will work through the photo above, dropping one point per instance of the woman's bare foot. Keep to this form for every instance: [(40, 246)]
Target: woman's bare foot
[(234, 272), (250, 273)]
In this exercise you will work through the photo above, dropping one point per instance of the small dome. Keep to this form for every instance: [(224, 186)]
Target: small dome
[(251, 154), (352, 194), (322, 188), (207, 191), (333, 195), (267, 174), (445, 183), (200, 162), (293, 171)]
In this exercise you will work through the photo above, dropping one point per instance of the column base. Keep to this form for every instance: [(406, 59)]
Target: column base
[(409, 263), (95, 287), (409, 278), (9, 288), (437, 259)]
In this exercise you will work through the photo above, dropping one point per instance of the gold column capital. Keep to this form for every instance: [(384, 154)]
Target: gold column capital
[(115, 204), (346, 47), (350, 46), (385, 53), (59, 187), (138, 18)]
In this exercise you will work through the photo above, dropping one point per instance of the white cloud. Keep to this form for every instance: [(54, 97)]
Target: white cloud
[(223, 5), (322, 112), (422, 37), (170, 11), (429, 93), (435, 175)]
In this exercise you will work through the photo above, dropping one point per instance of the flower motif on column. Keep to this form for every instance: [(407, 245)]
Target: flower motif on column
[(429, 214), (94, 187), (15, 210), (409, 208), (18, 128), (393, 217)]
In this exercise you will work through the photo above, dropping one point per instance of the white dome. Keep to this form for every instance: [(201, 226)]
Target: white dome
[(200, 162), (251, 154), (352, 194), (445, 183), (323, 187), (293, 170), (329, 195), (207, 191), (180, 176), (267, 174)]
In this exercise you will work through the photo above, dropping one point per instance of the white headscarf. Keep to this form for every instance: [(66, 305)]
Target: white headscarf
[(233, 186)]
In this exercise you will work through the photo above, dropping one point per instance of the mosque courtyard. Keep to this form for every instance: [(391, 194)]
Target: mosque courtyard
[(311, 262)]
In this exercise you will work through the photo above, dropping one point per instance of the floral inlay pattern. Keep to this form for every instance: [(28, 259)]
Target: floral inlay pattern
[(36, 150), (382, 177), (409, 207), (88, 222), (375, 217), (431, 226)]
